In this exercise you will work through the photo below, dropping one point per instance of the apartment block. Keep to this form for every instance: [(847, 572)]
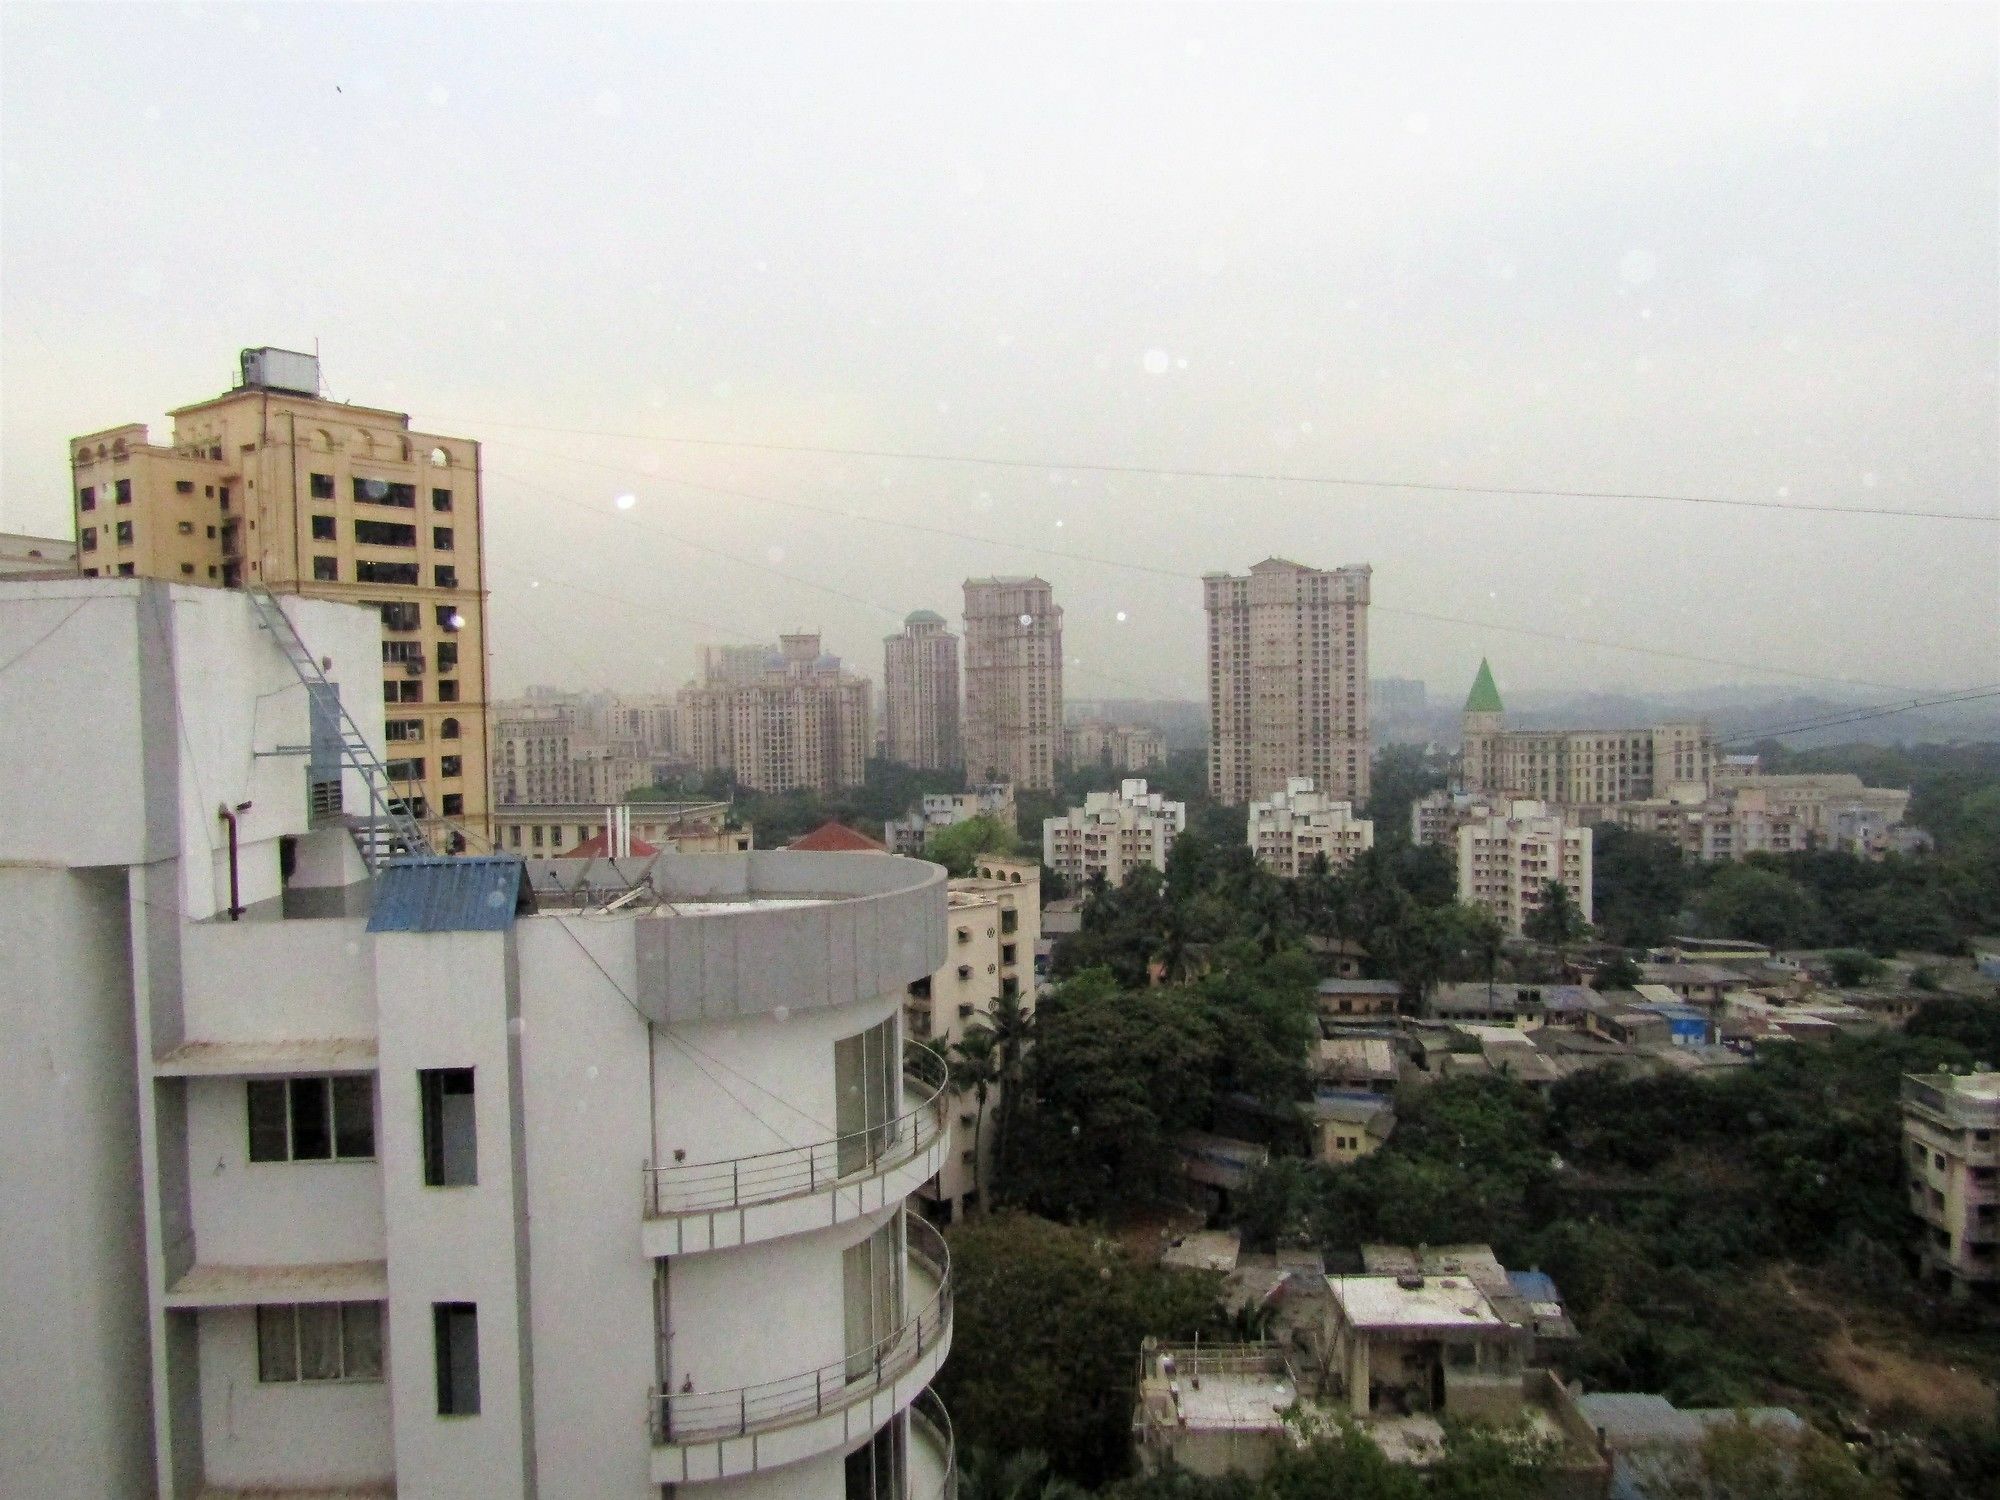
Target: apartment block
[(324, 1183), (1576, 767), (270, 486), (1951, 1137), (1290, 829), (1505, 861), (1287, 680), (801, 723), (941, 810), (1435, 817), (23, 556), (1013, 682), (994, 923), (1099, 743), (920, 694), (1113, 834), (539, 830)]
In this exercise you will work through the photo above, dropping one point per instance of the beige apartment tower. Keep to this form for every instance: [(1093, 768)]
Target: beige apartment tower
[(1287, 681), (271, 486), (1013, 682), (920, 693), (803, 724)]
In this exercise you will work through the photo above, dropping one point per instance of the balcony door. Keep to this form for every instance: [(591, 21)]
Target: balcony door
[(867, 1080), (872, 1291)]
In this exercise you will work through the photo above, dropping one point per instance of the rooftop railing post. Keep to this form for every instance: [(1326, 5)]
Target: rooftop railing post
[(735, 1183), (743, 1409)]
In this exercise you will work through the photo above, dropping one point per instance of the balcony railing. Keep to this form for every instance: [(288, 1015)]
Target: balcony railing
[(708, 1416), (792, 1171), (928, 1414)]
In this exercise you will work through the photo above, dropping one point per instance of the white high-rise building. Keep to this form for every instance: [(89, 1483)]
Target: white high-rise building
[(1113, 834), (477, 1178), (1290, 829), (1287, 680), (1506, 861), (1013, 682)]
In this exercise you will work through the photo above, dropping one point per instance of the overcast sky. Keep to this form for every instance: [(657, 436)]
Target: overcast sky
[(1693, 249)]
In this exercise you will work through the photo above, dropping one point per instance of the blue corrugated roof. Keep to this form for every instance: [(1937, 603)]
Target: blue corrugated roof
[(478, 894)]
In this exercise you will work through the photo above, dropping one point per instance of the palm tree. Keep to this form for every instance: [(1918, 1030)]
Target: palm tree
[(973, 1069), (1013, 1027)]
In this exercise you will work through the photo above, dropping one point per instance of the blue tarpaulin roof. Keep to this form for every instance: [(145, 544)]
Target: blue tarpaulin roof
[(1536, 1286), (479, 894)]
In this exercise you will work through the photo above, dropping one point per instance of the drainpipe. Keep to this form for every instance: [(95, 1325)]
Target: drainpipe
[(229, 815)]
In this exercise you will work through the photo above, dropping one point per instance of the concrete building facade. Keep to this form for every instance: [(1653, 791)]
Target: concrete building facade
[(1288, 830), (802, 724), (1113, 834), (1013, 682), (23, 556), (1287, 680), (339, 1197), (920, 694), (941, 810), (1130, 748), (1951, 1137), (1506, 860), (269, 486)]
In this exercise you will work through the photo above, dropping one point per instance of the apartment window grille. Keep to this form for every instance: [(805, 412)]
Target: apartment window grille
[(451, 1133), (455, 1336), (319, 1341), (311, 1119), (400, 730), (384, 534), (326, 570), (321, 486)]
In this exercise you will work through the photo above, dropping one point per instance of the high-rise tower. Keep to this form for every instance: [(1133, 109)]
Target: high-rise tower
[(1013, 681)]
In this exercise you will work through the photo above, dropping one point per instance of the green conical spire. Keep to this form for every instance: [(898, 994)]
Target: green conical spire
[(1484, 697)]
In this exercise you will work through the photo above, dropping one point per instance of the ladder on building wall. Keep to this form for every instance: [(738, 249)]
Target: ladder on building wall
[(386, 830)]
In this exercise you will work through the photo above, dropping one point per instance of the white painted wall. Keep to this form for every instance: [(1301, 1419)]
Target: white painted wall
[(272, 1213), (272, 980), (302, 1433)]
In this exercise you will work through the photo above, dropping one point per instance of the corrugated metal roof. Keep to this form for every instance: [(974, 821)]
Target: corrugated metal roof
[(479, 894)]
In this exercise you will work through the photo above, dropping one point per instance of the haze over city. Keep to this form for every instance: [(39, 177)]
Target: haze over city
[(1744, 254)]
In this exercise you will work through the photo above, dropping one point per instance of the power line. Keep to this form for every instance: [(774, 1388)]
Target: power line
[(1862, 715), (1257, 476)]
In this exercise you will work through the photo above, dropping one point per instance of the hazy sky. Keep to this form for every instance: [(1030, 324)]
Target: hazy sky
[(1692, 249)]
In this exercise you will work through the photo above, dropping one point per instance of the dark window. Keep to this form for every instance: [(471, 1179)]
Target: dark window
[(1009, 920), (187, 570), (90, 538), (455, 1329), (124, 533), (311, 1119), (448, 617), (441, 538), (86, 498), (447, 656), (185, 528), (405, 770), (322, 486), (448, 730), (223, 497), (440, 499), (448, 690), (401, 616), (184, 486), (385, 572), (326, 569), (445, 577), (384, 534), (324, 530), (454, 804), (920, 989), (403, 730), (451, 765), (319, 1341), (382, 492), (1007, 953), (126, 570), (211, 537), (124, 492), (451, 1137)]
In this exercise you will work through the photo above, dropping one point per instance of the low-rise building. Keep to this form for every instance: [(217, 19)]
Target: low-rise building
[(1113, 834), (539, 829), (1213, 1409), (1289, 830), (1507, 861), (1483, 1004), (1364, 1063), (941, 810), (1656, 1447), (1107, 746), (24, 556), (1951, 1136), (1351, 1123), (1435, 817), (1349, 1000), (1695, 983)]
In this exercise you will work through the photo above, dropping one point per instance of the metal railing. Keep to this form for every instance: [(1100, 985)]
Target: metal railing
[(793, 1171), (707, 1416), (929, 1413)]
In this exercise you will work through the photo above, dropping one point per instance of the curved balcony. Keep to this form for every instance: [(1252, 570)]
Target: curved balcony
[(702, 1435), (692, 1207), (933, 1461)]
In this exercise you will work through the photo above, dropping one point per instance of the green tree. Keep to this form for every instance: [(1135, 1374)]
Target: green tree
[(1557, 920), (958, 847), (1747, 901), (974, 1065), (1618, 973), (1639, 884), (1852, 966)]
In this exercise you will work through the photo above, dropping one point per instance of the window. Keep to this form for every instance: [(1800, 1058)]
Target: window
[(448, 656), (403, 729), (184, 486), (124, 533), (222, 497), (382, 492), (448, 729), (187, 570), (1007, 953), (920, 989), (186, 528), (126, 570), (319, 1341), (440, 499), (405, 770), (402, 692), (454, 804), (445, 577), (385, 572), (323, 529), (867, 1094), (124, 492), (89, 537), (1009, 920), (211, 537), (326, 569), (448, 690), (384, 534), (872, 1294), (312, 1119), (86, 498), (322, 488), (876, 1470), (448, 617), (455, 1332), (451, 1143), (441, 538), (401, 616)]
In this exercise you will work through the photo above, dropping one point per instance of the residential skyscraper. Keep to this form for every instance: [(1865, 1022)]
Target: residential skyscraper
[(804, 723), (920, 693), (1287, 680), (1013, 682), (269, 486)]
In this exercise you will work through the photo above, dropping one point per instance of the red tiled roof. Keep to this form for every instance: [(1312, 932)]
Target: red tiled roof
[(831, 837), (599, 847)]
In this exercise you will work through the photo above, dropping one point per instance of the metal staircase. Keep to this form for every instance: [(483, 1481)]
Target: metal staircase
[(386, 830)]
